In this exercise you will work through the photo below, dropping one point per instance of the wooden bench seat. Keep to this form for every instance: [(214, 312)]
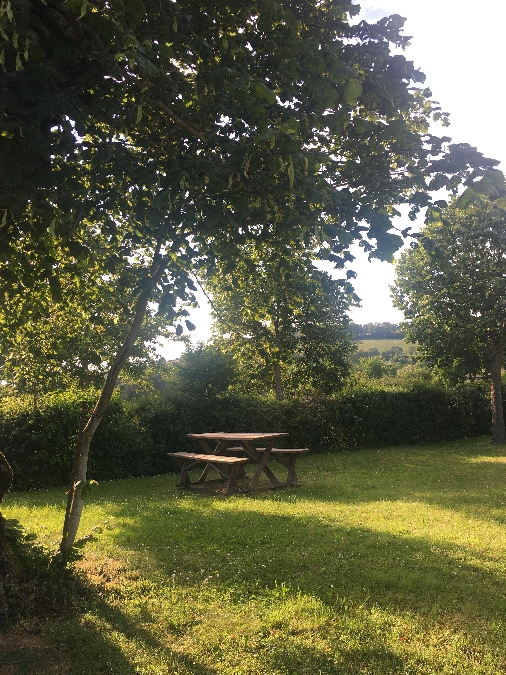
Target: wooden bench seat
[(225, 465)]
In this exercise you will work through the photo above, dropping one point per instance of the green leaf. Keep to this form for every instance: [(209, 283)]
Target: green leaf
[(466, 198), (291, 126), (179, 330), (501, 202), (190, 325), (134, 10), (229, 267), (166, 51), (497, 179), (262, 92), (352, 91), (139, 114), (291, 172)]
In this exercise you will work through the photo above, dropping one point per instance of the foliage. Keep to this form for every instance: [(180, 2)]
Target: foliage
[(371, 365), (384, 561), (136, 436), (47, 345), (39, 443), (203, 371), (141, 118), (451, 287), (283, 320)]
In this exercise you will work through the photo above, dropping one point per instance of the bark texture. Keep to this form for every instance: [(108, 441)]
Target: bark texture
[(8, 562), (75, 501), (278, 383), (496, 403)]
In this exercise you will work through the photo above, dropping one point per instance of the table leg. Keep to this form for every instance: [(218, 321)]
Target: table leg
[(232, 479), (262, 466), (292, 476), (184, 478), (220, 448)]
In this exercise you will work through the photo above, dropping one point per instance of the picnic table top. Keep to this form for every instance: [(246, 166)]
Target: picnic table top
[(240, 436)]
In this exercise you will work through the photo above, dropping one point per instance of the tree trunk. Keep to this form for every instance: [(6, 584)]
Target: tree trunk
[(8, 561), (496, 404), (280, 392), (78, 479)]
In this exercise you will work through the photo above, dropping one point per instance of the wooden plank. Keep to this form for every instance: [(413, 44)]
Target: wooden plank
[(243, 436), (287, 451), (213, 459)]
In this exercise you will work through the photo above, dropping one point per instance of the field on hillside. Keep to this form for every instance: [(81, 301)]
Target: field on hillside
[(383, 345), (384, 562)]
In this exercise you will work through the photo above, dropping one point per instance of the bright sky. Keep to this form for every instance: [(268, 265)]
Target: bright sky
[(461, 48)]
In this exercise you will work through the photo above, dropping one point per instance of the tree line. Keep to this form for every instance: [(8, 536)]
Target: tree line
[(377, 331)]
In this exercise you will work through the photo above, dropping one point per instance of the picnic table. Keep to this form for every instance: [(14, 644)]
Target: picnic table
[(245, 444)]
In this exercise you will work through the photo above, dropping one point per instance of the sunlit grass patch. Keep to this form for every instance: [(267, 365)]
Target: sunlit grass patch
[(389, 561)]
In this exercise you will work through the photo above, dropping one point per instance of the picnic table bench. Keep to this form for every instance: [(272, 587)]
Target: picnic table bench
[(221, 463), (230, 466)]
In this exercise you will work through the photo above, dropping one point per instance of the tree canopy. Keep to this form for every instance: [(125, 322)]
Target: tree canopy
[(451, 286), (141, 116), (284, 321)]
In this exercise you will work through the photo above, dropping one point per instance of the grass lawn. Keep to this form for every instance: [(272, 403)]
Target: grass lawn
[(384, 562)]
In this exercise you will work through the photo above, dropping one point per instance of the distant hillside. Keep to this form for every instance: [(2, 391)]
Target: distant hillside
[(376, 331), (384, 345)]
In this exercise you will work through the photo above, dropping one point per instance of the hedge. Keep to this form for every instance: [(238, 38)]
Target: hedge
[(135, 436)]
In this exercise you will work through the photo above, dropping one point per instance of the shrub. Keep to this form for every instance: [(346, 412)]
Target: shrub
[(135, 436)]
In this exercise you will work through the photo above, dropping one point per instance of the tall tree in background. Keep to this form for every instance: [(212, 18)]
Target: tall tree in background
[(451, 287), (177, 128), (283, 320)]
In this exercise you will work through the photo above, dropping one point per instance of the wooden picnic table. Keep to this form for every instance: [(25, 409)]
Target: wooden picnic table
[(246, 443)]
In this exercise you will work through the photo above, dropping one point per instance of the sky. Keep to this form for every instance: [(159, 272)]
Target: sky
[(461, 48)]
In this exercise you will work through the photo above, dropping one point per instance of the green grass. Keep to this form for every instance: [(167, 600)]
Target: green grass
[(384, 562), (383, 345)]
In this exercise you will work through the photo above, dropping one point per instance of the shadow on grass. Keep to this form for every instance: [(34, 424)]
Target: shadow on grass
[(62, 624), (244, 552)]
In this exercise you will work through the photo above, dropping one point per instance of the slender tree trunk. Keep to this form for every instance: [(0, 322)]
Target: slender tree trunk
[(78, 479), (496, 404), (278, 383), (8, 562)]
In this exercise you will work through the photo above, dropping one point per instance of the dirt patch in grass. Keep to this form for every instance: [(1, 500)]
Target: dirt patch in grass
[(106, 572), (23, 653)]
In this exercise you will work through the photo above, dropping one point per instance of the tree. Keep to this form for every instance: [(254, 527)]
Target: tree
[(203, 371), (177, 129), (45, 346), (451, 286), (283, 320), (8, 560), (249, 108)]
